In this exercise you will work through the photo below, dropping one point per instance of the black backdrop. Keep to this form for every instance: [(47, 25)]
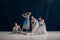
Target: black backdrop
[(11, 11)]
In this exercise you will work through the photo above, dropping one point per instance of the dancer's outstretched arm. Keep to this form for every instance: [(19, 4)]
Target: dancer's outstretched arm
[(20, 28)]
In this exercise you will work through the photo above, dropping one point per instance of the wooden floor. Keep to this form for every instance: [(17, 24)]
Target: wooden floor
[(52, 35)]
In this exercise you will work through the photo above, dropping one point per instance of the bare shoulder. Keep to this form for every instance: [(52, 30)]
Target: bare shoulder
[(18, 26), (43, 20)]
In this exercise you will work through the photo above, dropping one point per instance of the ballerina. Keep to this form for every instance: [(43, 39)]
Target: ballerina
[(35, 24), (42, 26), (16, 28), (26, 22)]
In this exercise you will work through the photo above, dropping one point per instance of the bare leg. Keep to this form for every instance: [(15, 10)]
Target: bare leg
[(13, 29)]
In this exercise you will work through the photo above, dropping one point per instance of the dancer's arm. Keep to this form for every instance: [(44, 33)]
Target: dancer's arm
[(20, 28), (29, 13), (34, 24), (23, 15)]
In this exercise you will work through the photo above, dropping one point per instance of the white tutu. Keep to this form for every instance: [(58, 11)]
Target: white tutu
[(41, 30), (34, 28)]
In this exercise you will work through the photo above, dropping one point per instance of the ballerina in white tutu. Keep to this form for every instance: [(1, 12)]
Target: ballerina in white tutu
[(42, 26), (35, 24)]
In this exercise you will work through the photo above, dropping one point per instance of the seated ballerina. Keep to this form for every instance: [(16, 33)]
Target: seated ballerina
[(16, 28)]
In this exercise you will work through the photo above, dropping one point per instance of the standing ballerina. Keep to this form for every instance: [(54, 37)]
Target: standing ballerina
[(35, 24), (42, 26), (26, 22)]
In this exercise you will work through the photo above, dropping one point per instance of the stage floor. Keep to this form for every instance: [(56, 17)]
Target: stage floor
[(9, 36)]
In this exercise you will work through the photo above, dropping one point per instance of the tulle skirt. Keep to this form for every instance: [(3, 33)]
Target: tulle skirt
[(41, 30), (26, 24)]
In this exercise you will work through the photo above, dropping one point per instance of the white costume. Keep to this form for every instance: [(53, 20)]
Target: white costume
[(16, 29), (35, 26), (42, 27)]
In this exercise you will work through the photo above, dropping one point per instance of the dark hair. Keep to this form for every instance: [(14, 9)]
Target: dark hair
[(40, 17), (25, 14), (32, 15), (15, 22)]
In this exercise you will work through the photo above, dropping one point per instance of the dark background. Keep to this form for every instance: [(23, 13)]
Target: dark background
[(11, 11)]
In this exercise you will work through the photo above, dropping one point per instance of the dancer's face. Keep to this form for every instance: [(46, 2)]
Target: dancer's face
[(32, 17), (39, 18), (15, 24)]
